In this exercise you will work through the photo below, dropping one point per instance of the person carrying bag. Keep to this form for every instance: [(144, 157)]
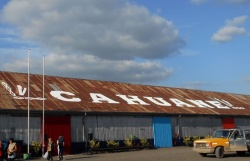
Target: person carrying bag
[(50, 149), (11, 151)]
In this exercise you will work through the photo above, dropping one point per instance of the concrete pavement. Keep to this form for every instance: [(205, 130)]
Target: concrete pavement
[(162, 154)]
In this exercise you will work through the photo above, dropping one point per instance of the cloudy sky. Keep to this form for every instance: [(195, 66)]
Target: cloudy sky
[(195, 44)]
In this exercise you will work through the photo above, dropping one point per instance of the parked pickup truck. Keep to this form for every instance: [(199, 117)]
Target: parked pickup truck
[(224, 140)]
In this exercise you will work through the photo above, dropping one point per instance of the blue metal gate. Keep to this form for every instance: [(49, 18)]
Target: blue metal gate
[(162, 132)]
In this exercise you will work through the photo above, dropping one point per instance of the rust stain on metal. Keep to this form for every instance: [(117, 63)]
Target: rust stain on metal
[(13, 85)]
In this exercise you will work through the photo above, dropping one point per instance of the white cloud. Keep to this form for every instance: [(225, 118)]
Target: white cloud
[(95, 39), (221, 1), (226, 33), (194, 85), (92, 67), (246, 79), (198, 1), (236, 21), (107, 29), (231, 29), (236, 1)]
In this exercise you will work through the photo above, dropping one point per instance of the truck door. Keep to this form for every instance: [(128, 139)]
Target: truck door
[(237, 141)]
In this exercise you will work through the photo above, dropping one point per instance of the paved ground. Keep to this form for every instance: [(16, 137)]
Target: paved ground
[(162, 154)]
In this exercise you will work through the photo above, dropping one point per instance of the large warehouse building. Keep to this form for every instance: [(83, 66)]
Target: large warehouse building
[(79, 109)]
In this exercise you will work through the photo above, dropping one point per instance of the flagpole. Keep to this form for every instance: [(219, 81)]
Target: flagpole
[(28, 101), (43, 108)]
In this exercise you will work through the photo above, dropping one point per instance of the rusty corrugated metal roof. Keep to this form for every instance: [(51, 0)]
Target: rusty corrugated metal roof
[(107, 97)]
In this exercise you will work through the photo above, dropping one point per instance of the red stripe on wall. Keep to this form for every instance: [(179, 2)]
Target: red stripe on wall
[(228, 123), (54, 126)]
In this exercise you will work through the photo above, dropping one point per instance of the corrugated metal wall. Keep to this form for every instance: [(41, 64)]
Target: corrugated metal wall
[(116, 127), (55, 126), (16, 127), (239, 105), (195, 125), (242, 122), (162, 132), (111, 127), (119, 127), (77, 128)]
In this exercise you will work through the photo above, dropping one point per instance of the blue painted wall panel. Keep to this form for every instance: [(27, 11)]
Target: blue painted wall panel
[(162, 132)]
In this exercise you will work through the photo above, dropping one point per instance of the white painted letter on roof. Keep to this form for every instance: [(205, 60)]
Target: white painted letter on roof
[(8, 88), (21, 90), (218, 104), (58, 95), (180, 103), (158, 100), (133, 100), (200, 103), (99, 98)]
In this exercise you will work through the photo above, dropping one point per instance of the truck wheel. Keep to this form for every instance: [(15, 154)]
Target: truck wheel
[(219, 152), (203, 154)]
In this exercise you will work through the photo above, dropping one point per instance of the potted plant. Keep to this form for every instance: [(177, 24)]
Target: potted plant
[(128, 142), (196, 138), (188, 141), (112, 144), (144, 141), (94, 144), (35, 148)]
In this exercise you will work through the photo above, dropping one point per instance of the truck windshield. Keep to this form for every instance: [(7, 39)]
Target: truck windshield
[(222, 133)]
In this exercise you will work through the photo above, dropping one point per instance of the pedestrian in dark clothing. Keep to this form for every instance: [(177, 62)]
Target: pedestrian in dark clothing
[(60, 147)]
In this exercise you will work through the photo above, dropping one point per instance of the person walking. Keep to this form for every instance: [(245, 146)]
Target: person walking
[(60, 146), (11, 150), (50, 149)]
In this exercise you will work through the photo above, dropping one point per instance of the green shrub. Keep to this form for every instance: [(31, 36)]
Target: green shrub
[(196, 138), (94, 144), (35, 146), (128, 142), (144, 142), (187, 140), (112, 144)]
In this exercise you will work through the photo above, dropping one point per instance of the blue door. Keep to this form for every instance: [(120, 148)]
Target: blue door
[(162, 132)]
